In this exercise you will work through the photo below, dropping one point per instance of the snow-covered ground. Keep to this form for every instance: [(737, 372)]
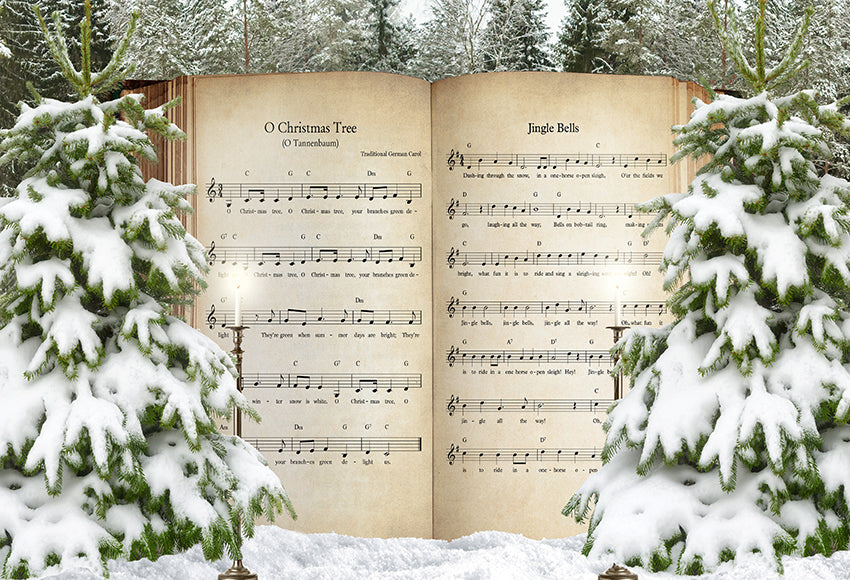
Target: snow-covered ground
[(276, 554)]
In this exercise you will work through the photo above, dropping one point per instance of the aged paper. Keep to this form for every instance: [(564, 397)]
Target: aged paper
[(537, 251), (314, 199)]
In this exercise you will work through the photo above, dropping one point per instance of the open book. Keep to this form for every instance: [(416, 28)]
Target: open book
[(427, 272)]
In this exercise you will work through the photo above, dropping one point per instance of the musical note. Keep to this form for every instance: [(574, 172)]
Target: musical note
[(559, 258), (499, 357), (544, 161), (521, 456), (211, 319), (526, 405), (383, 381), (557, 210), (249, 192), (328, 317), (343, 445)]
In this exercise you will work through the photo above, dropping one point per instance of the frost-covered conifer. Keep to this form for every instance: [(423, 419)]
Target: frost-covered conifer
[(734, 439), (108, 447)]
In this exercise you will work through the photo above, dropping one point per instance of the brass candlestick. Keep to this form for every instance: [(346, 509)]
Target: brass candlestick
[(618, 377), (616, 572), (237, 571)]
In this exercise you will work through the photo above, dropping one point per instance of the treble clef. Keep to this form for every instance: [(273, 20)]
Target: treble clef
[(211, 253), (451, 308), (211, 317), (452, 160), (211, 190), (450, 358), (451, 406), (452, 208), (452, 257), (451, 455)]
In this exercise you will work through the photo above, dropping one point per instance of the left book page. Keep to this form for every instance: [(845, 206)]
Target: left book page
[(314, 198)]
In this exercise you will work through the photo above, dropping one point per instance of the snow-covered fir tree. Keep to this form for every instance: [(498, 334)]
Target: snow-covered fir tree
[(450, 41), (216, 38), (733, 439), (390, 40), (282, 35), (341, 31), (628, 26), (515, 37), (108, 443), (684, 43), (162, 47), (606, 36), (29, 60), (579, 45)]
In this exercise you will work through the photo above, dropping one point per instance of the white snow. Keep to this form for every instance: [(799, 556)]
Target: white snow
[(277, 554)]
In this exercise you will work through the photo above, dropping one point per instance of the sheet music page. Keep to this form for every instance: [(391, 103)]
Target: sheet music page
[(314, 198), (535, 181)]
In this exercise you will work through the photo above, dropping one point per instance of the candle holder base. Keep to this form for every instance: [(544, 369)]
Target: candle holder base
[(237, 572), (616, 572)]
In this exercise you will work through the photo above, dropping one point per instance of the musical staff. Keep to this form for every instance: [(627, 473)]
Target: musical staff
[(308, 317), (342, 445), (556, 210), (495, 358), (552, 258), (334, 382), (273, 193), (276, 256), (520, 456), (455, 404), (554, 160), (527, 309)]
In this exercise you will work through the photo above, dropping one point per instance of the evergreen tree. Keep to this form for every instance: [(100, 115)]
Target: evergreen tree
[(515, 36), (450, 41), (579, 45), (390, 45), (29, 60), (684, 43), (608, 36), (162, 48), (216, 38), (628, 33), (283, 35), (734, 437), (108, 447), (342, 33)]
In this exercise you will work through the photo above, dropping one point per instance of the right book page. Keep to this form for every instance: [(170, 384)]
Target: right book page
[(538, 251)]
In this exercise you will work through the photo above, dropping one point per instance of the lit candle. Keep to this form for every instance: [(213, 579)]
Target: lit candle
[(617, 305), (238, 306)]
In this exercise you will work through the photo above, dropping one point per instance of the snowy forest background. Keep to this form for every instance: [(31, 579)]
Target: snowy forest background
[(445, 38), (449, 38)]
